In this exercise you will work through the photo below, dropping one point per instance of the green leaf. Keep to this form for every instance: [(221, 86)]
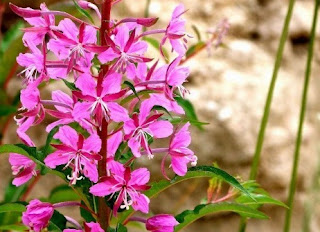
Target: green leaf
[(191, 115), (11, 35), (158, 108), (194, 172), (53, 227), (83, 12), (195, 49), (131, 86), (70, 85), (196, 30), (189, 216), (12, 207), (121, 228), (13, 227), (178, 120), (57, 222), (8, 59), (260, 199), (13, 193), (6, 110), (62, 193), (140, 93), (86, 215), (155, 43), (46, 148)]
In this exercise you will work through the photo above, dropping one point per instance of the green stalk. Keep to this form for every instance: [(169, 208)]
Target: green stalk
[(264, 121), (301, 120), (266, 113), (146, 10)]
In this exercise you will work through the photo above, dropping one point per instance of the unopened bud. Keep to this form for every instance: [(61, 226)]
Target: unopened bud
[(25, 12), (147, 22), (84, 4)]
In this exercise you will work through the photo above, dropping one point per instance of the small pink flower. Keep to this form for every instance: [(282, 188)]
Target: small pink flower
[(141, 126), (176, 31), (127, 184), (35, 112), (22, 167), (124, 49), (100, 102), (41, 26), (69, 112), (180, 154), (161, 223), (77, 152), (38, 215)]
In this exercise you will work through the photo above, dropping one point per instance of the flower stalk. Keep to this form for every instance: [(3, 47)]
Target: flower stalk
[(293, 182), (104, 211)]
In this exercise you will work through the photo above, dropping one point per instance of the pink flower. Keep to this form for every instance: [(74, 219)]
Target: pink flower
[(37, 215), (88, 227), (77, 152), (101, 102), (30, 99), (127, 184), (22, 167), (34, 65), (161, 223), (41, 26), (175, 77), (180, 154), (171, 77), (141, 126), (68, 112), (73, 43), (175, 31), (124, 49)]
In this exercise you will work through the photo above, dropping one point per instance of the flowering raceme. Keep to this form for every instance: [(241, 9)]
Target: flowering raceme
[(118, 104)]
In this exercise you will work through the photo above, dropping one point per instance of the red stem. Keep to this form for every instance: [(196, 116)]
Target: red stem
[(30, 187), (104, 211)]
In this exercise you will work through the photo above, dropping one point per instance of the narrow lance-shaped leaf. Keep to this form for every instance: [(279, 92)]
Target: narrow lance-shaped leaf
[(191, 115), (13, 228), (12, 207), (189, 216), (83, 12), (260, 199), (131, 86)]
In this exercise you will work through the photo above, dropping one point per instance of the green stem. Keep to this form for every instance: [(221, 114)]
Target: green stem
[(266, 113), (146, 10), (243, 224), (293, 181), (264, 121)]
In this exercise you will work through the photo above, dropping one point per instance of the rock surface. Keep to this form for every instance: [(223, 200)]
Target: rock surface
[(229, 89)]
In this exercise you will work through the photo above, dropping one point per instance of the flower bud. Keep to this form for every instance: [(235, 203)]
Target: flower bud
[(25, 12), (84, 4), (147, 22), (161, 223), (38, 215)]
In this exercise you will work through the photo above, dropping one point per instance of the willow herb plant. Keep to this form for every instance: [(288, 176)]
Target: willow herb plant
[(120, 101)]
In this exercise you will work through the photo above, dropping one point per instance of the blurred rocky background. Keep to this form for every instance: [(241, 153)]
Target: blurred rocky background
[(228, 89)]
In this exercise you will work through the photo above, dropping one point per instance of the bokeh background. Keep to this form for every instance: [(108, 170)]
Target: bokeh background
[(228, 89)]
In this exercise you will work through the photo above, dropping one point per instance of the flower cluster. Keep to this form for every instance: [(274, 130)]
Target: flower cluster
[(118, 96)]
